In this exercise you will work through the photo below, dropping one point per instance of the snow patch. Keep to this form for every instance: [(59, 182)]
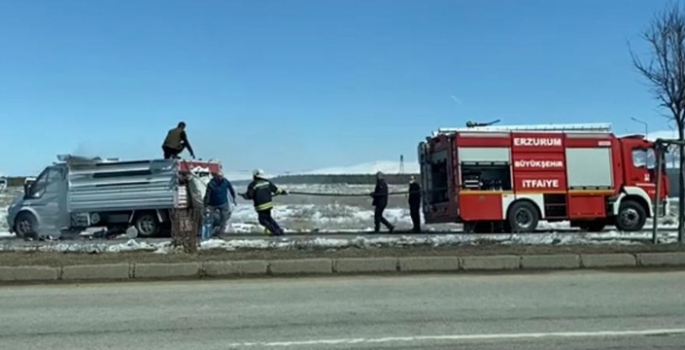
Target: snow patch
[(360, 242), (4, 228)]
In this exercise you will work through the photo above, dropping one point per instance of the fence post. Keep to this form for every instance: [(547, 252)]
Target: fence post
[(657, 195)]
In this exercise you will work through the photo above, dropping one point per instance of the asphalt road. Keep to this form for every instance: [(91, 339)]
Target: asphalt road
[(570, 310)]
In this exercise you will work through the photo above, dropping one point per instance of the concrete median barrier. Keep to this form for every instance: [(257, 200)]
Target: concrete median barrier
[(301, 267), (339, 266), (429, 263), (96, 272), (365, 265), (556, 261), (661, 259), (490, 263), (29, 273), (607, 260), (235, 268), (161, 270)]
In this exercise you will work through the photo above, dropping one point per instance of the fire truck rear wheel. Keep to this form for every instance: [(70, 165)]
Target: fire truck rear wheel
[(523, 217), (631, 216)]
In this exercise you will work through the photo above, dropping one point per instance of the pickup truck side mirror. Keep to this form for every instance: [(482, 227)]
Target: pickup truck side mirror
[(27, 190)]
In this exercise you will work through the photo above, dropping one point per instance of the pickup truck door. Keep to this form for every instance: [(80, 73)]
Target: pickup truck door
[(48, 198)]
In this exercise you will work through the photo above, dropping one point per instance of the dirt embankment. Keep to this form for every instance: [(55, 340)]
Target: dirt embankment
[(61, 259)]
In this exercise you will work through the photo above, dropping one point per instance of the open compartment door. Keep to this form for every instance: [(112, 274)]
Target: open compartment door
[(437, 172)]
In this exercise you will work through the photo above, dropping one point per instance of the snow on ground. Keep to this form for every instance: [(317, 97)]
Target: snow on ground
[(4, 230), (309, 213), (5, 199), (328, 243)]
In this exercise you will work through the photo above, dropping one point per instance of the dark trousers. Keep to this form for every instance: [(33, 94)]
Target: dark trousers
[(414, 211), (266, 220), (172, 152), (219, 223), (378, 219)]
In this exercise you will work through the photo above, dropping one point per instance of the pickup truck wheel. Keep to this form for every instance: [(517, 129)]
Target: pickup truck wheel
[(631, 216), (26, 225), (147, 225), (523, 217)]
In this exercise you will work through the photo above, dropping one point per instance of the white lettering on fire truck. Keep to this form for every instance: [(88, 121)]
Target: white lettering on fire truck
[(543, 164), (541, 183), (537, 141)]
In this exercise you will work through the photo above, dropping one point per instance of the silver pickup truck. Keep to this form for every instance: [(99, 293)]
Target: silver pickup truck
[(78, 192)]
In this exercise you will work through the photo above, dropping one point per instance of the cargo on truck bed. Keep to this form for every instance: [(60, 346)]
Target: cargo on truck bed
[(80, 192)]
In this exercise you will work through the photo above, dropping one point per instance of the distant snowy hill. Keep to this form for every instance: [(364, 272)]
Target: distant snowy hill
[(389, 167), (385, 166)]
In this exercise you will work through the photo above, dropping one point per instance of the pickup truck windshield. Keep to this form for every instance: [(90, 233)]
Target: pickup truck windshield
[(49, 175)]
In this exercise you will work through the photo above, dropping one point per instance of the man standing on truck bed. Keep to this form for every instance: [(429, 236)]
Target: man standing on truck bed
[(217, 198), (380, 201), (261, 192), (176, 141)]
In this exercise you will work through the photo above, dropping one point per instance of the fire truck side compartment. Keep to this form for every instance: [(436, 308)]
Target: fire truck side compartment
[(589, 168), (590, 175), (485, 168), (437, 188)]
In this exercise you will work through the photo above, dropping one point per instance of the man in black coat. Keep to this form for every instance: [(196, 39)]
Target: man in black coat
[(415, 204), (380, 202)]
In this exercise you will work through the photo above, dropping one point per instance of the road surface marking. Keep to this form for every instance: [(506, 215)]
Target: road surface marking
[(458, 337)]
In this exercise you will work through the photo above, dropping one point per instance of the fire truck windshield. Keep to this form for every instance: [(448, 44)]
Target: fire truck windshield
[(644, 158)]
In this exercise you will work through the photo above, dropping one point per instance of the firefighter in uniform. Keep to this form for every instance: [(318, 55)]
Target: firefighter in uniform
[(261, 192), (176, 141)]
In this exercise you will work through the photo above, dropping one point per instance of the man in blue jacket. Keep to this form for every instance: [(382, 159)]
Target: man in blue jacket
[(219, 194)]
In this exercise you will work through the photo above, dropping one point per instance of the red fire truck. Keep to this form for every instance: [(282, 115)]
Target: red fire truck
[(507, 179)]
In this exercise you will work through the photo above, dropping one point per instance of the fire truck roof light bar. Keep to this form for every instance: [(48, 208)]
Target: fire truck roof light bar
[(590, 127)]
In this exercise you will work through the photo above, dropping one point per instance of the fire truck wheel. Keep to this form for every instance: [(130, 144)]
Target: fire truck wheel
[(631, 216), (523, 217)]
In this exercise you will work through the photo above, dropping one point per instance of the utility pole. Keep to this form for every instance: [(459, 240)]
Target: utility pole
[(643, 123), (401, 164)]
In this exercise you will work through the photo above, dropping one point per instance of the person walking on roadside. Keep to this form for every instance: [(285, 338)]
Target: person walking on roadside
[(176, 141), (261, 192), (415, 204), (380, 202), (219, 195)]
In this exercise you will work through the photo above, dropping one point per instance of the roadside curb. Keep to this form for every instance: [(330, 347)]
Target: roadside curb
[(334, 266)]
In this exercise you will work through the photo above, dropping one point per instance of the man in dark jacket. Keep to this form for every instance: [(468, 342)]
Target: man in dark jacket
[(380, 202), (415, 204), (261, 192), (219, 194), (176, 141)]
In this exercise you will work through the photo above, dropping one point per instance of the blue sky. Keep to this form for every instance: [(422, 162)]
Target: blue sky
[(305, 84)]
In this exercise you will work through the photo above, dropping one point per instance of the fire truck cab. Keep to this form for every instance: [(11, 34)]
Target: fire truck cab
[(508, 178)]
